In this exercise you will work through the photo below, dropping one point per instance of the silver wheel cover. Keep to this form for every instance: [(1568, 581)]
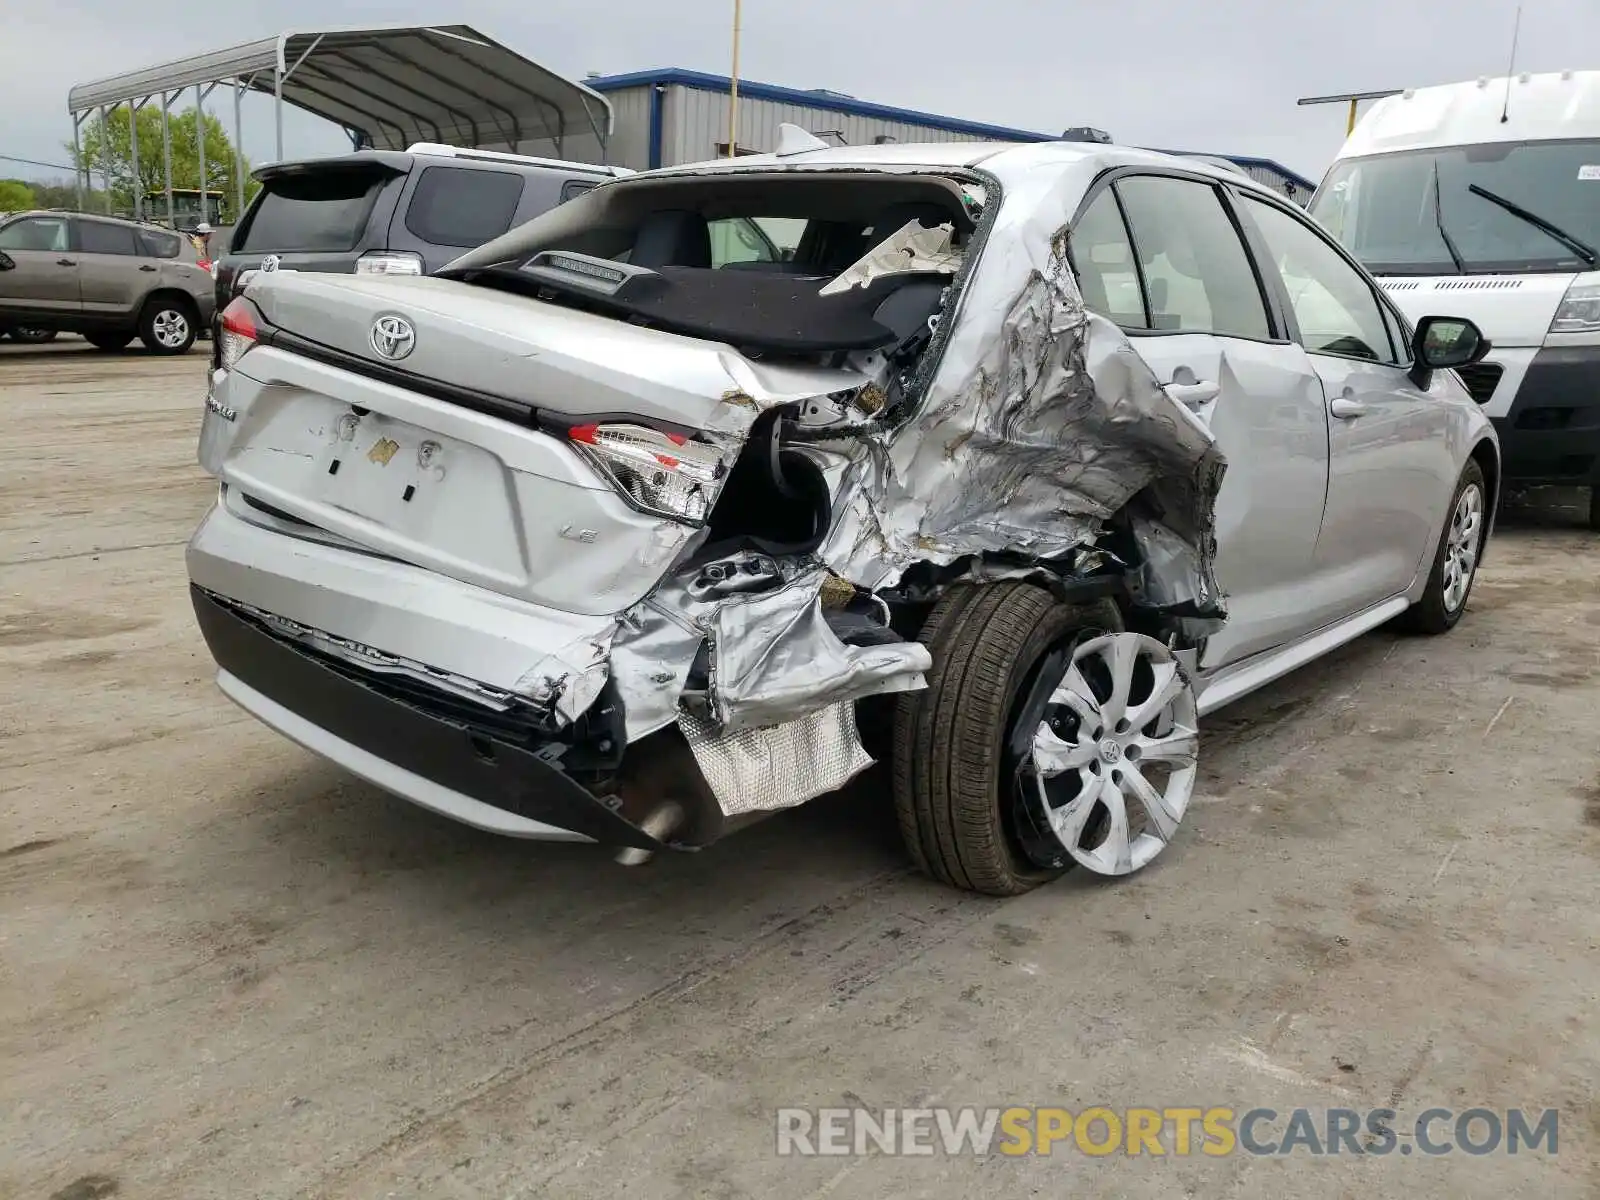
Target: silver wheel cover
[(1129, 750), (1461, 542), (170, 327)]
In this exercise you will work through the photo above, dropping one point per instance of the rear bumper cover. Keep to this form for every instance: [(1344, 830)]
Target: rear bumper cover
[(1551, 432), (468, 776)]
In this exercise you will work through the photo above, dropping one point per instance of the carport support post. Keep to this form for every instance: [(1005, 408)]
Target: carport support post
[(133, 155), (166, 156), (105, 155), (200, 145), (238, 152), (77, 160), (277, 100)]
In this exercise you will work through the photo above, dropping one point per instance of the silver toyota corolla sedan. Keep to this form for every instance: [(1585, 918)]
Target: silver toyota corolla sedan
[(662, 511)]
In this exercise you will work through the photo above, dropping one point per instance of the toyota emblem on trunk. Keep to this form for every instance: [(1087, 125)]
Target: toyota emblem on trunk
[(393, 337)]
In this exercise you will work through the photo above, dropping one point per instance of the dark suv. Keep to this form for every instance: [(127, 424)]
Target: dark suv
[(393, 212)]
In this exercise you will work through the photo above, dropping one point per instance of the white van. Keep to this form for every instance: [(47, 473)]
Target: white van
[(1482, 200)]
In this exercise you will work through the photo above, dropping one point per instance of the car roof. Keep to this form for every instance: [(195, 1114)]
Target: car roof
[(1005, 160), (93, 216)]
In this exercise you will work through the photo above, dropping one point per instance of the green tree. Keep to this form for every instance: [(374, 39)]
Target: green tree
[(107, 147), (15, 196)]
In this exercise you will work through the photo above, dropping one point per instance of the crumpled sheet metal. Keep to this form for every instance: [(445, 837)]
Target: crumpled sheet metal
[(778, 766), (774, 658), (569, 680), (1040, 423), (913, 249)]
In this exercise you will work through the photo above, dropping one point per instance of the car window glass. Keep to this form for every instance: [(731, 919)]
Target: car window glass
[(156, 244), (320, 211), (1197, 274), (457, 206), (1399, 338), (35, 233), (1334, 304), (573, 188), (96, 237), (740, 240), (1103, 257)]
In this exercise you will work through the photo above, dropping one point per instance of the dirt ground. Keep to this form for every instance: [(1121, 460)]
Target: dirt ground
[(229, 970)]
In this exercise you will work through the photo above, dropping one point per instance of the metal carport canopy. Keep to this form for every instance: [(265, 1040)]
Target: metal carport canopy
[(394, 85)]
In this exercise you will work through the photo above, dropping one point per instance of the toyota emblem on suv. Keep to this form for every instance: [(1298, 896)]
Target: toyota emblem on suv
[(393, 337)]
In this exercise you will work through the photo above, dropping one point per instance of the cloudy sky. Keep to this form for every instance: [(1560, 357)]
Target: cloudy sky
[(1218, 76)]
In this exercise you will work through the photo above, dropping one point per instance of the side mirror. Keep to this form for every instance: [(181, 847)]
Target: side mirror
[(1444, 343), (7, 263)]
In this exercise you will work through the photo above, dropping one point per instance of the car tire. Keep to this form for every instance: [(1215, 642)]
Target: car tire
[(1445, 598), (109, 342), (168, 325), (1594, 509), (950, 739)]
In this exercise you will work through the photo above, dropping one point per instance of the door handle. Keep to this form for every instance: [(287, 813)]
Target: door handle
[(146, 267), (1193, 395), (66, 262), (1347, 409)]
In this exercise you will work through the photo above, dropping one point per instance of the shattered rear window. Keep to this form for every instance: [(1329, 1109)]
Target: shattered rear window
[(789, 262)]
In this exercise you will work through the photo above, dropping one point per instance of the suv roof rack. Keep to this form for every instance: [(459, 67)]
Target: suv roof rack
[(442, 151)]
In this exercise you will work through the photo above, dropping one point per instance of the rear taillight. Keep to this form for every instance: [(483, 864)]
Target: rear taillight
[(662, 473), (389, 262), (239, 330)]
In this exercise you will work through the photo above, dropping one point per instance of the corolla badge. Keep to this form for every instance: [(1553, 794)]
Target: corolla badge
[(270, 263), (392, 337)]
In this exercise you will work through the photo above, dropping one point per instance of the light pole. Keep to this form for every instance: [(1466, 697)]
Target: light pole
[(733, 85)]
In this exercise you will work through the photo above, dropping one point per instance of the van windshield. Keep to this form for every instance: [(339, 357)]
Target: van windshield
[(1387, 209)]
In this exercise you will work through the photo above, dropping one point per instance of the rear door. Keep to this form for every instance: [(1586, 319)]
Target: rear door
[(43, 275), (319, 216), (1163, 257), (449, 208), (113, 275), (1390, 457)]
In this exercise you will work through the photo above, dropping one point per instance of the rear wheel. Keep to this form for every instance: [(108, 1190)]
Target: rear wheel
[(1041, 721), (1455, 566), (108, 342), (167, 326)]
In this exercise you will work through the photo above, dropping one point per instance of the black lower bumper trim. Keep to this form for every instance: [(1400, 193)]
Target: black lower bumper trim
[(1551, 434), (488, 769)]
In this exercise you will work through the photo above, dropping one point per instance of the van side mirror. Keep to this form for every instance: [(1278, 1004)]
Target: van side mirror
[(7, 263), (1444, 343)]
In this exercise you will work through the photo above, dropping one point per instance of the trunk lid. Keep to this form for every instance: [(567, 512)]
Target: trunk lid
[(456, 456)]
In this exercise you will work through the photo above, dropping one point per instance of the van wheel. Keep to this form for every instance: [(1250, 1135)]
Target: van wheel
[(1004, 768), (167, 326), (1594, 509), (109, 342)]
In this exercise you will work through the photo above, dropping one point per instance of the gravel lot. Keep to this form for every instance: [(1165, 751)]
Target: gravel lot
[(229, 970)]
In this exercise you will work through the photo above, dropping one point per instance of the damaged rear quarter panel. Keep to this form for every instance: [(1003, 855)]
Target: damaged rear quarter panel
[(1037, 422)]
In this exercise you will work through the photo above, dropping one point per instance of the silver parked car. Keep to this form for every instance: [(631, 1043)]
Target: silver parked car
[(108, 279), (1030, 456)]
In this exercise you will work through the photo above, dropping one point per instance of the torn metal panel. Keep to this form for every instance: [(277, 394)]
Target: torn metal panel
[(778, 766), (1039, 423), (774, 658), (652, 651), (569, 681), (913, 249)]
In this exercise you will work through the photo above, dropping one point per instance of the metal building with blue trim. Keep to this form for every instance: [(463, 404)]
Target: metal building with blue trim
[(666, 117)]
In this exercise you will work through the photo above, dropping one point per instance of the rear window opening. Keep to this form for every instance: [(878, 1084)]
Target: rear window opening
[(323, 210), (741, 259)]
